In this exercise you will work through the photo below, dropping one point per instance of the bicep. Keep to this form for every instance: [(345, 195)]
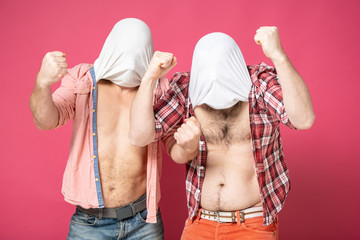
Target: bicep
[(273, 98)]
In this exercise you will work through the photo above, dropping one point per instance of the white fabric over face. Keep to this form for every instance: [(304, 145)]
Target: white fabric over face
[(219, 76), (126, 53)]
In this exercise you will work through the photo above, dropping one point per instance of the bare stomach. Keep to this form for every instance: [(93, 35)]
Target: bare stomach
[(122, 166), (230, 181), (123, 176)]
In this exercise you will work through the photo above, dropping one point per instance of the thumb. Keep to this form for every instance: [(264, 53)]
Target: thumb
[(64, 71), (173, 63), (257, 39)]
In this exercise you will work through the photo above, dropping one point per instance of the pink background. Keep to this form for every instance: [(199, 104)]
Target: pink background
[(321, 37)]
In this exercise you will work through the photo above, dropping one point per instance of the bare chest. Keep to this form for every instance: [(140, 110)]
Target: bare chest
[(224, 127), (115, 151), (122, 165)]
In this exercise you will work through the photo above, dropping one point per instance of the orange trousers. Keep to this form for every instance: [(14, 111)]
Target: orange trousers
[(251, 228)]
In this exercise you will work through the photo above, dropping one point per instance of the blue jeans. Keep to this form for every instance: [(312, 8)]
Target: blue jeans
[(87, 226)]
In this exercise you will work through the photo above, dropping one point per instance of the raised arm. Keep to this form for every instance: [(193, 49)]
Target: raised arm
[(45, 113), (296, 96), (142, 121)]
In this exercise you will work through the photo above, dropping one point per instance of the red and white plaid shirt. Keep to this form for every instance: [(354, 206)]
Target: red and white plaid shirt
[(266, 110)]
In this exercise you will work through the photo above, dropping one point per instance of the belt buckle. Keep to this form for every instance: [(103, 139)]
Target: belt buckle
[(218, 217)]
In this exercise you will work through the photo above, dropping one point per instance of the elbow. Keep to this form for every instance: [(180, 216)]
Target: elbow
[(307, 123), (42, 126), (180, 160), (310, 122), (139, 140)]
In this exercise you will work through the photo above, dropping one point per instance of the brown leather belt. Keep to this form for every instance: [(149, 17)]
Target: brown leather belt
[(121, 213)]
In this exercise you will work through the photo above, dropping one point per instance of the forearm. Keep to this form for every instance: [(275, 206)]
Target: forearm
[(142, 121), (296, 96), (181, 156), (187, 138), (45, 113)]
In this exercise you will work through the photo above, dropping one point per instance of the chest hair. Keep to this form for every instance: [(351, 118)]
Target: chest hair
[(224, 126)]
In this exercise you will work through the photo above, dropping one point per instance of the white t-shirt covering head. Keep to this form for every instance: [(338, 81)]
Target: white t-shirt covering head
[(126, 53), (219, 76)]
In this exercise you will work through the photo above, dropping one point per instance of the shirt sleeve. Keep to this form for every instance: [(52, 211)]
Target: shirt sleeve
[(169, 140), (171, 106), (64, 98), (271, 92), (73, 83)]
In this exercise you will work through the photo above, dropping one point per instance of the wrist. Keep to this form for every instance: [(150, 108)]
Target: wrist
[(44, 81), (149, 80), (42, 84), (278, 57), (191, 152)]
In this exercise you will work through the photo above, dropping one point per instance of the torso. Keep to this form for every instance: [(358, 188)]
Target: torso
[(230, 181), (122, 165)]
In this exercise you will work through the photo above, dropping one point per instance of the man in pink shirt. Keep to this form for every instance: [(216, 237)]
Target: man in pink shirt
[(114, 185)]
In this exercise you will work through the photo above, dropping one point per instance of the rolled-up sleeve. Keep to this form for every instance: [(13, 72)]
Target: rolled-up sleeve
[(268, 92), (171, 106), (64, 98)]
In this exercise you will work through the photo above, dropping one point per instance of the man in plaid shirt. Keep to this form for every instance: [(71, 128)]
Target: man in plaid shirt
[(235, 139)]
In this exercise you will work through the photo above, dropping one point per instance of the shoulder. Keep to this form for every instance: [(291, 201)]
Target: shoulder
[(262, 74), (261, 70), (180, 78), (80, 72)]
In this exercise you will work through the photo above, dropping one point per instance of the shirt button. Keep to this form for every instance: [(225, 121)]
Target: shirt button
[(83, 90), (93, 110), (94, 134), (94, 156), (96, 179), (94, 88)]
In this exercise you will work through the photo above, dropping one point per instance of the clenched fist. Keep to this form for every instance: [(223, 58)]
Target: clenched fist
[(268, 38), (160, 64), (53, 68), (188, 135)]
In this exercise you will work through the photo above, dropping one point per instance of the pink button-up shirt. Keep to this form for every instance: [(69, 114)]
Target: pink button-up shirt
[(76, 99)]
